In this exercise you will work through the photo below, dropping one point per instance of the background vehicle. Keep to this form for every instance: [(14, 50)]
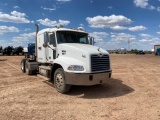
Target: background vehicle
[(65, 57), (140, 52), (1, 48), (17, 50), (7, 50), (157, 51)]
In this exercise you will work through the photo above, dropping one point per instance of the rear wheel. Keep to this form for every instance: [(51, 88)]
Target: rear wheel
[(28, 71), (23, 67), (60, 81)]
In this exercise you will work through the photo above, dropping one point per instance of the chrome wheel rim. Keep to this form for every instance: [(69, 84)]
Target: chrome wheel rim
[(26, 68), (59, 81), (22, 66)]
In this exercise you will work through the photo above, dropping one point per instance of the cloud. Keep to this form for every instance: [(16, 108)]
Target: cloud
[(81, 27), (145, 40), (50, 9), (151, 40), (48, 22), (29, 35), (99, 36), (24, 37), (158, 33), (5, 43), (134, 29), (117, 27), (145, 35), (15, 7), (141, 3), (151, 7), (21, 40), (14, 17), (158, 9), (18, 14), (144, 4), (137, 28), (155, 39), (110, 7), (122, 37), (64, 22), (107, 21), (5, 29), (155, 43)]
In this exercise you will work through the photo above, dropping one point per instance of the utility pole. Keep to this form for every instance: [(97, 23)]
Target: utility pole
[(128, 45)]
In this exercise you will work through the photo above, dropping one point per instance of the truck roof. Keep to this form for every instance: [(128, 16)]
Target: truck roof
[(59, 29)]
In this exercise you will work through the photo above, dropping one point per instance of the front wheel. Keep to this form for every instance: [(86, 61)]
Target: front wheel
[(60, 81)]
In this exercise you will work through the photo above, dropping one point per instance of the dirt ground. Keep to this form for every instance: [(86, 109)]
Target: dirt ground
[(133, 93)]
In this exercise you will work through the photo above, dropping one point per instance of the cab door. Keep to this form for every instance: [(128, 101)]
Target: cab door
[(52, 48)]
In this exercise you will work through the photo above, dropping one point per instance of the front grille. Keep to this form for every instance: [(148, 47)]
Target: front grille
[(100, 63)]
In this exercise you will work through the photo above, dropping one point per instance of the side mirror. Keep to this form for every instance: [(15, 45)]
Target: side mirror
[(45, 44), (91, 40)]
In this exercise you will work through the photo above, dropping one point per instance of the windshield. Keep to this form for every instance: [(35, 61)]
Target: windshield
[(72, 37)]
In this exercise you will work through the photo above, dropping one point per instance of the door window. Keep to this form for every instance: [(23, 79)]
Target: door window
[(52, 39)]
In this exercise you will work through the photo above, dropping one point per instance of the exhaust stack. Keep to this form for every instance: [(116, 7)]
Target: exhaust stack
[(37, 29)]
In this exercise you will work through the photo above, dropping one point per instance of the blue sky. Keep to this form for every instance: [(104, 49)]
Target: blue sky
[(113, 23)]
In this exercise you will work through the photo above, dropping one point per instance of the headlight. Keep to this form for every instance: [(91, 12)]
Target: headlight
[(76, 68)]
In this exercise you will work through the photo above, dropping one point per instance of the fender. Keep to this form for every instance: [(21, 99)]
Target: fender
[(65, 62)]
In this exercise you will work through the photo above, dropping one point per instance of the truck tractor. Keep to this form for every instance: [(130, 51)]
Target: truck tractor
[(65, 57), (30, 53)]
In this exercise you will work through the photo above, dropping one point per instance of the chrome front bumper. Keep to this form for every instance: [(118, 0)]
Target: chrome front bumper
[(88, 78)]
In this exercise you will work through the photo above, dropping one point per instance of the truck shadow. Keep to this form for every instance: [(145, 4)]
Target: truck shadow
[(114, 88)]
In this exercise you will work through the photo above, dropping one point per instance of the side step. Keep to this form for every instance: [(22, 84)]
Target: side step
[(45, 71), (41, 76)]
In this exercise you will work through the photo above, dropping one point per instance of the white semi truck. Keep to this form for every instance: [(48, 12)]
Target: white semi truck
[(66, 58)]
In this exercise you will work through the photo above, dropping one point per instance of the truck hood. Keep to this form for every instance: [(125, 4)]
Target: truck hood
[(77, 54), (83, 48)]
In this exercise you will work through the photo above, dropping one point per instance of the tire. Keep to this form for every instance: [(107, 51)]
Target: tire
[(23, 65), (28, 72), (60, 81)]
